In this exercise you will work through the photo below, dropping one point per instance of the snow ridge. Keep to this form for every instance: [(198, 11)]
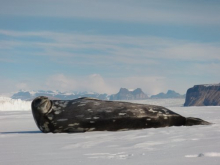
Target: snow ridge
[(8, 104)]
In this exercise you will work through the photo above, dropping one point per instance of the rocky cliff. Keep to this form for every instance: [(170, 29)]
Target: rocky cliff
[(125, 94), (203, 95)]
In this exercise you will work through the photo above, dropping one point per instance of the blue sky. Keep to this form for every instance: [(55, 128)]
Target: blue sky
[(100, 45)]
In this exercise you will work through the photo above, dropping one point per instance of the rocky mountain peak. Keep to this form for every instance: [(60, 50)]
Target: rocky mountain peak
[(169, 94), (123, 91), (125, 94)]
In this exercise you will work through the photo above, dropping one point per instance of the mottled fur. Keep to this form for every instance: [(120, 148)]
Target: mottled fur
[(87, 114)]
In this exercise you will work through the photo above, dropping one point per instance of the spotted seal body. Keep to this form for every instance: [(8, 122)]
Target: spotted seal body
[(87, 114)]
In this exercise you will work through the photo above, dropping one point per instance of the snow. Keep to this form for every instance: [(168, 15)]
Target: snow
[(31, 92), (22, 143), (8, 104), (68, 94), (209, 85)]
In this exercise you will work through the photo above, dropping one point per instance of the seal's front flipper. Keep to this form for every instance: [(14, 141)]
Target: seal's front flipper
[(195, 121)]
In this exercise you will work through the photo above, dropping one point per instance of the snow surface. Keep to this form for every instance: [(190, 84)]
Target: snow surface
[(22, 143)]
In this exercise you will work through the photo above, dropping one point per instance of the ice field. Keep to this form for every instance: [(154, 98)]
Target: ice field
[(22, 143)]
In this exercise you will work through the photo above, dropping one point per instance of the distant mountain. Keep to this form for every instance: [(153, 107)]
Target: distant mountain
[(125, 94), (22, 95), (168, 95), (30, 95), (203, 95)]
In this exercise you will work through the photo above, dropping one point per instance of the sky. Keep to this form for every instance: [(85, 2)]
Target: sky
[(101, 46)]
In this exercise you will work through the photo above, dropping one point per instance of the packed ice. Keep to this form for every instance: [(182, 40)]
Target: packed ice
[(8, 104)]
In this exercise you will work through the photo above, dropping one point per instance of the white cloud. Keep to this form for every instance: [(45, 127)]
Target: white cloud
[(209, 69), (194, 51), (96, 83), (93, 82), (61, 83), (149, 84), (171, 11), (21, 85), (123, 49), (9, 86), (150, 63)]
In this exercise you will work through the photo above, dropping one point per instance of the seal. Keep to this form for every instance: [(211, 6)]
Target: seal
[(88, 114)]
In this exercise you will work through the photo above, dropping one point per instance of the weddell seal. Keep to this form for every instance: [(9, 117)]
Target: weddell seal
[(88, 114)]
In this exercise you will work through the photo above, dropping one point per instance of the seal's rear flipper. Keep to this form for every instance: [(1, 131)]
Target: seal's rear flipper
[(195, 121)]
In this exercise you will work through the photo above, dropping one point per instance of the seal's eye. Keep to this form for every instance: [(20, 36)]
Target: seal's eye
[(37, 101)]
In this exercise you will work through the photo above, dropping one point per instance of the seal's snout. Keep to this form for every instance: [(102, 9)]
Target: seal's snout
[(41, 104)]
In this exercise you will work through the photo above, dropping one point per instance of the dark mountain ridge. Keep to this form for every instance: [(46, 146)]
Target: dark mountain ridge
[(170, 94), (125, 94), (203, 95)]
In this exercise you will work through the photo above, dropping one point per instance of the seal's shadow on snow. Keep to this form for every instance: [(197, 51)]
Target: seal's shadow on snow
[(21, 132)]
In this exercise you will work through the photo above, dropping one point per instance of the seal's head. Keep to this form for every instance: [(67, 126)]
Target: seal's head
[(41, 106)]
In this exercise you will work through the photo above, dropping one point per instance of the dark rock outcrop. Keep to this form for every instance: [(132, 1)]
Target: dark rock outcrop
[(203, 95), (170, 94), (125, 94)]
